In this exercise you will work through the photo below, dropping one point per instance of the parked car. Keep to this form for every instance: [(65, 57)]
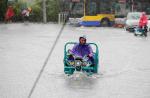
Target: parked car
[(120, 21), (74, 21), (132, 21)]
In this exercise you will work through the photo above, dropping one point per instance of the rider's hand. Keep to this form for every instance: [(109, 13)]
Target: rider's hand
[(69, 51), (90, 55)]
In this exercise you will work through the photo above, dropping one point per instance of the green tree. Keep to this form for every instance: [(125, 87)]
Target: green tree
[(3, 7), (52, 10), (36, 14)]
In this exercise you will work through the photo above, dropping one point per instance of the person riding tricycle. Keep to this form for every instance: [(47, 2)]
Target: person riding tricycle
[(81, 57)]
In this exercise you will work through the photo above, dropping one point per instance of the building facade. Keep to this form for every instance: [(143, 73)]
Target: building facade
[(122, 7)]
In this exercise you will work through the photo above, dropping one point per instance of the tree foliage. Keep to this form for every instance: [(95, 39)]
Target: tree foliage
[(3, 7), (52, 11)]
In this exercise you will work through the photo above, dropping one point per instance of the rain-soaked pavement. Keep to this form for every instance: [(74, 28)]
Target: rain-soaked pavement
[(124, 70)]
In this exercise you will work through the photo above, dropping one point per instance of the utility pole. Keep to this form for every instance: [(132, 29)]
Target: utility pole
[(132, 5), (84, 7), (44, 11)]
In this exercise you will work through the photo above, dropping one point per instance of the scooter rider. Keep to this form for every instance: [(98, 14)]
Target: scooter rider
[(143, 23), (82, 49)]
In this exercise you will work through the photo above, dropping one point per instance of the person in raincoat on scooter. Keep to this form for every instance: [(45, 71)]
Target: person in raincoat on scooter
[(143, 23)]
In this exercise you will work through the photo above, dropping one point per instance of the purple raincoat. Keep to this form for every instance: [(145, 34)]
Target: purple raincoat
[(82, 50)]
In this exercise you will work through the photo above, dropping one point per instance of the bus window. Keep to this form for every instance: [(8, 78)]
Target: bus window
[(91, 9)]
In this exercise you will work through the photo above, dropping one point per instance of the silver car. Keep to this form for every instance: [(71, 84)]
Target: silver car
[(74, 21)]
